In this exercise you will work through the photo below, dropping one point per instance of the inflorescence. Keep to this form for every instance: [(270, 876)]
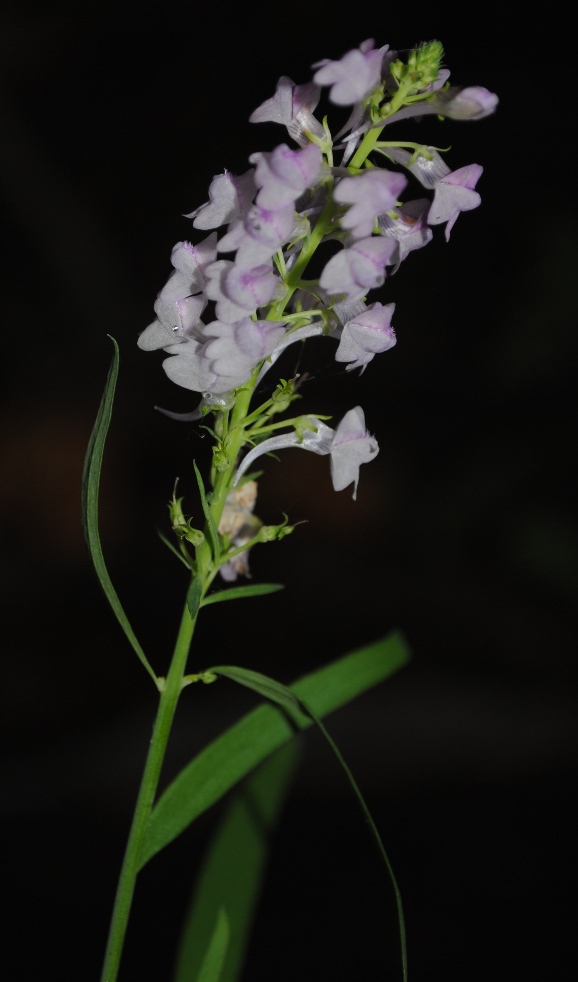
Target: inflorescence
[(278, 213)]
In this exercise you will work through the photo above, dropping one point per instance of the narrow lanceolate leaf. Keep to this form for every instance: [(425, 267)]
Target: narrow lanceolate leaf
[(263, 685), (90, 488), (211, 969), (233, 868), (240, 592), (237, 751), (287, 699), (213, 534), (194, 596)]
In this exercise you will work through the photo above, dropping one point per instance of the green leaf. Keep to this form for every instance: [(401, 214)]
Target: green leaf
[(212, 968), (171, 547), (233, 868), (285, 698), (240, 592), (90, 488), (263, 685), (213, 534), (194, 594), (237, 751)]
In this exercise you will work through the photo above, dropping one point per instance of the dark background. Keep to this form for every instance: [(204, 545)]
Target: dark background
[(464, 534)]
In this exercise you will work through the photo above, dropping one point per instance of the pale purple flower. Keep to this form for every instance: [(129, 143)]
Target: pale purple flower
[(454, 190), (354, 271), (292, 106), (180, 303), (283, 175), (355, 76), (259, 236), (188, 368), (427, 167), (352, 447), (300, 334), (369, 194), (238, 347), (453, 194), (409, 228), (239, 291), (314, 435), (367, 334), (230, 199), (472, 102)]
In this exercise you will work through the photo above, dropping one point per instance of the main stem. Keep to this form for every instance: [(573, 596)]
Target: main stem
[(130, 867), (169, 697)]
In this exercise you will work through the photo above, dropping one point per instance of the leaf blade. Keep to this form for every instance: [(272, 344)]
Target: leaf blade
[(284, 697), (241, 843), (238, 751), (211, 969), (89, 505), (240, 592)]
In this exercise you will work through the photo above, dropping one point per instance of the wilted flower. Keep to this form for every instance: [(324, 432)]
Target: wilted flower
[(239, 525)]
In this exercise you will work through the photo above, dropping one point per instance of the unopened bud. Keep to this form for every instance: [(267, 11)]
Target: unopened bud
[(221, 461), (189, 534)]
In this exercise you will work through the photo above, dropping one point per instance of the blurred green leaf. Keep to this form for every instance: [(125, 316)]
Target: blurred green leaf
[(233, 869), (90, 488), (237, 751), (212, 968)]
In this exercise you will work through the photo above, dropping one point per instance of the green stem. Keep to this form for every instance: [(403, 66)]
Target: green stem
[(126, 885)]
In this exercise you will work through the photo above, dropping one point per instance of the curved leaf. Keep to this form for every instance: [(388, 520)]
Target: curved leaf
[(237, 751), (90, 487), (285, 698)]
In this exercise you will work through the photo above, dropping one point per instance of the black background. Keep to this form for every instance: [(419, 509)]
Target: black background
[(464, 534)]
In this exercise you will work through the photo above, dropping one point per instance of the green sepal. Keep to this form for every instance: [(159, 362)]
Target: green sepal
[(241, 592), (90, 489), (241, 748), (241, 844)]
